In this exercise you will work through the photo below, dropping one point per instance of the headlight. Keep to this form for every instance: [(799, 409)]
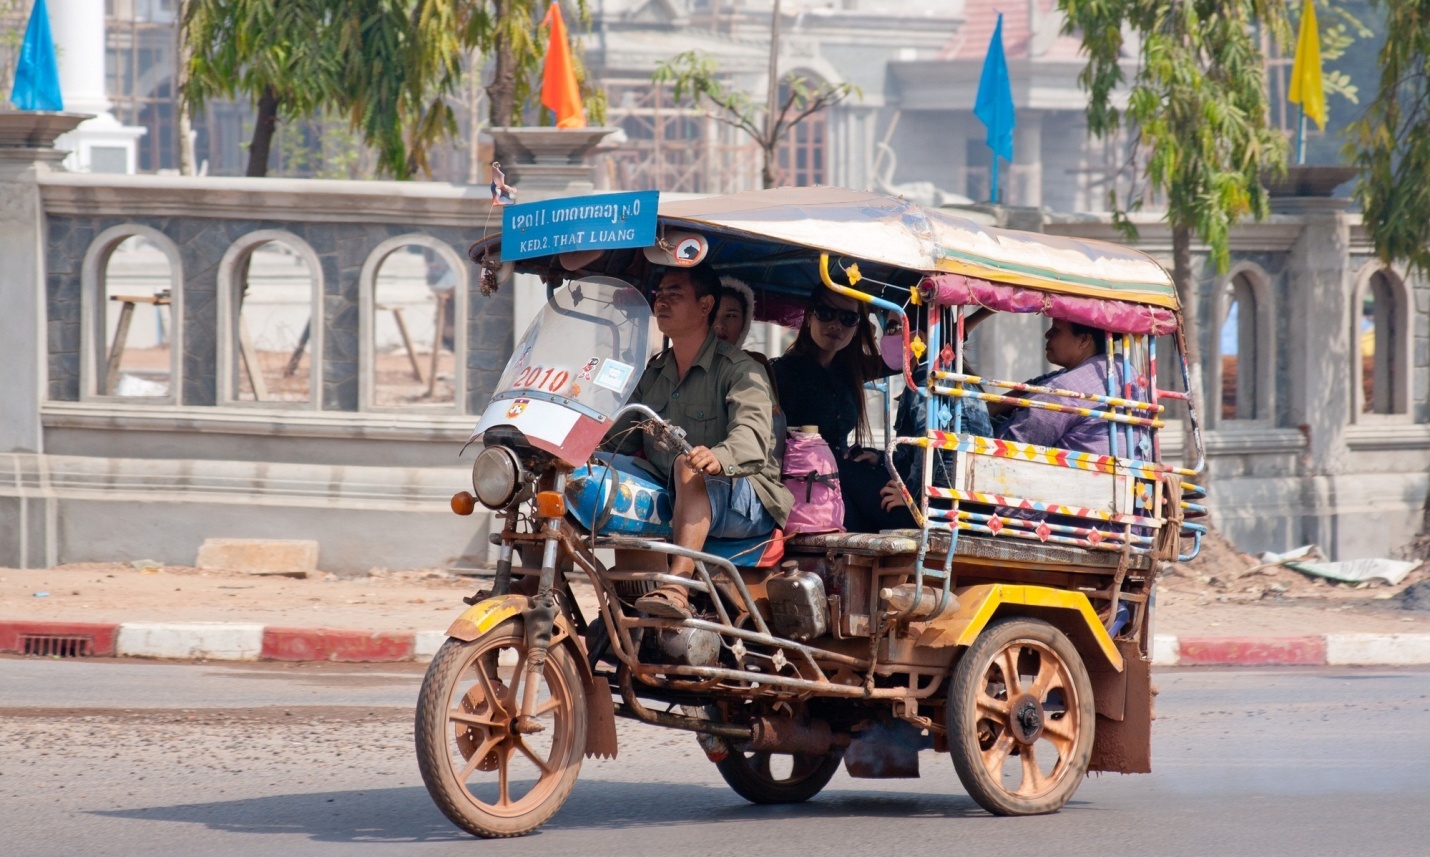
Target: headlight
[(496, 474)]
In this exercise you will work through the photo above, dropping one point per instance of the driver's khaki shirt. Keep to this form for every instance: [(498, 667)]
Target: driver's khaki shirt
[(723, 403)]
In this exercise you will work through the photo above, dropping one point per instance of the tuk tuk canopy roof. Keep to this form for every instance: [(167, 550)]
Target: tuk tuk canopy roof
[(894, 232)]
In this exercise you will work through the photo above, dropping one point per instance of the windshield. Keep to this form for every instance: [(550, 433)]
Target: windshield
[(585, 350)]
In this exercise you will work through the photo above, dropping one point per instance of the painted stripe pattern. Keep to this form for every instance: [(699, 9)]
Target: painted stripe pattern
[(1113, 401)]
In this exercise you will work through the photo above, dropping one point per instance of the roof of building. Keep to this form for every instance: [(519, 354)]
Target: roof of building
[(1031, 30)]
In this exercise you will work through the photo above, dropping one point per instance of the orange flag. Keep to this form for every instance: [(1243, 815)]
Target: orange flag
[(559, 91)]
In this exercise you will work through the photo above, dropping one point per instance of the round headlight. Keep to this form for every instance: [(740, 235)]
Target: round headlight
[(496, 474)]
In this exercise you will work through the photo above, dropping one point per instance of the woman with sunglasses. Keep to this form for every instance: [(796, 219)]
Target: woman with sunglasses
[(821, 383)]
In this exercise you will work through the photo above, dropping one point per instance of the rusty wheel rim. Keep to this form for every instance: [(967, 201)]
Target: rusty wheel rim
[(1027, 719), (504, 773), (781, 768)]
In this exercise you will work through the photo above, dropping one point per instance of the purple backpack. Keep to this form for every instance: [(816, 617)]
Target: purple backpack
[(812, 476)]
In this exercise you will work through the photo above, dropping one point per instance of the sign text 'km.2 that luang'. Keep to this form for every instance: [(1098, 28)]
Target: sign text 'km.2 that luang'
[(599, 222)]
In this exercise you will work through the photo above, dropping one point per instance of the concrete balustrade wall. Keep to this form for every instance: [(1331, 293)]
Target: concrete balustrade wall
[(91, 477)]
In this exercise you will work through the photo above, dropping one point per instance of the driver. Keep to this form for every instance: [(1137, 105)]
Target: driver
[(729, 485)]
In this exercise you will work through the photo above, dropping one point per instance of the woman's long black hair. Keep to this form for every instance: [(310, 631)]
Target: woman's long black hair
[(856, 363)]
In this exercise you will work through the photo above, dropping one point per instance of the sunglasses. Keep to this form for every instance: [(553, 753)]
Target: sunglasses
[(846, 317)]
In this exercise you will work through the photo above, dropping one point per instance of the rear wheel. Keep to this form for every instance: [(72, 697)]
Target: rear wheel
[(488, 777), (777, 777), (1020, 718)]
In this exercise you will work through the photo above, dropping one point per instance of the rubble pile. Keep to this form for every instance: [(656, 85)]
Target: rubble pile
[(1223, 573)]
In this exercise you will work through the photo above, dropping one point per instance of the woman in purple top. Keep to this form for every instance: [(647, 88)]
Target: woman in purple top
[(1081, 351)]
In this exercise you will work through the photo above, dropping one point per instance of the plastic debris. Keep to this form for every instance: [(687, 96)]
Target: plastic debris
[(42, 595), (1392, 571), (1307, 552)]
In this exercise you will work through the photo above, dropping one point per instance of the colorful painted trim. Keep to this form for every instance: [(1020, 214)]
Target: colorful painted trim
[(1112, 401), (1109, 416), (1041, 506), (1000, 525)]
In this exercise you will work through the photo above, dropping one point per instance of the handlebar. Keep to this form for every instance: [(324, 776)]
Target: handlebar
[(668, 435)]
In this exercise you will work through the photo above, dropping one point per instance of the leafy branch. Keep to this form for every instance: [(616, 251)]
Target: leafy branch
[(695, 80)]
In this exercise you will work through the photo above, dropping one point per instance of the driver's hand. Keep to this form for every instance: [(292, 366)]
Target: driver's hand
[(702, 460), (890, 497)]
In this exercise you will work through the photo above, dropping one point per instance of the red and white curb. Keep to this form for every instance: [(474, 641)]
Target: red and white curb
[(229, 641)]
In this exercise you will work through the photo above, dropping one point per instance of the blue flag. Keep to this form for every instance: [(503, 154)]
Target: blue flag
[(994, 104), (37, 77)]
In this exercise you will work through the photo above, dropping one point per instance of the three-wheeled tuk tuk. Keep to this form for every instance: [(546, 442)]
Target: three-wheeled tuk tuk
[(1010, 628)]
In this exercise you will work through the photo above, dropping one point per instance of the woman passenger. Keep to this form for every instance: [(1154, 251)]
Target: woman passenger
[(821, 380)]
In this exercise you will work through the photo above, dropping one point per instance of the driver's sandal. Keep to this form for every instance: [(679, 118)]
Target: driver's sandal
[(667, 602)]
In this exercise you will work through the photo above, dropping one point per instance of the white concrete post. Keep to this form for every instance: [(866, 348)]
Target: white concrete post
[(101, 144)]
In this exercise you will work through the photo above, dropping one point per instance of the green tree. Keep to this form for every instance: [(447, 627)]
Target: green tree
[(391, 67), (273, 51), (695, 79), (1196, 108), (1391, 142)]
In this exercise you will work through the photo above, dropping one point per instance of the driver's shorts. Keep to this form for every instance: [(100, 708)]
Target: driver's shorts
[(735, 509)]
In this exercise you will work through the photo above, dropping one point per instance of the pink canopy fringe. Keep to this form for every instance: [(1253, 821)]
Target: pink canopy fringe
[(1116, 316)]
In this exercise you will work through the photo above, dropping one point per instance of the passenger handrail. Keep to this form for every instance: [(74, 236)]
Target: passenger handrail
[(1024, 387), (1109, 416)]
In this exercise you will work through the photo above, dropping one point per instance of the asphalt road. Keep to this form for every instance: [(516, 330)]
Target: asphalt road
[(126, 758)]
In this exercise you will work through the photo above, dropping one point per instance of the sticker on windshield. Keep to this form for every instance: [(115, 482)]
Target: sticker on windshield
[(589, 368), (517, 408), (614, 375), (541, 378)]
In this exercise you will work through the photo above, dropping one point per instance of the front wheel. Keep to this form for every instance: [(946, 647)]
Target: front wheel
[(488, 778), (1020, 718), (774, 777)]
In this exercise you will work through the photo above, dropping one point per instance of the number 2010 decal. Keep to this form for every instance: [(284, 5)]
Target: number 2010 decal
[(537, 377)]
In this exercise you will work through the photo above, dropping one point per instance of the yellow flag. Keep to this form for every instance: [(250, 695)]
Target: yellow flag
[(1306, 72)]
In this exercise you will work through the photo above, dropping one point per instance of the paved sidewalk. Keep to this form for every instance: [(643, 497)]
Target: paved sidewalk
[(108, 609)]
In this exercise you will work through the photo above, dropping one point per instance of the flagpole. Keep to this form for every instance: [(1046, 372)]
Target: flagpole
[(993, 192), (1301, 137)]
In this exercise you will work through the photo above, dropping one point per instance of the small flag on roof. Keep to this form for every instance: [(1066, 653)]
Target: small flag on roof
[(37, 76), (994, 103)]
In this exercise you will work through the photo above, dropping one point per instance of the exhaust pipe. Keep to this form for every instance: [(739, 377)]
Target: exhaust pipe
[(800, 737)]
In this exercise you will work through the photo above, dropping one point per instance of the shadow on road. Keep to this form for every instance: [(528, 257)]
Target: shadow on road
[(408, 814)]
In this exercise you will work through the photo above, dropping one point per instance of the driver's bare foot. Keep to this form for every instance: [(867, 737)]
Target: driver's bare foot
[(667, 602)]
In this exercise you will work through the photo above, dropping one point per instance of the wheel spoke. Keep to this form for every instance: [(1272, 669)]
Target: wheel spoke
[(526, 751), (1050, 675), (1062, 733), (482, 751), (1033, 780), (470, 719), (503, 777), (1008, 661), (987, 705), (547, 707), (512, 702), (994, 756), (493, 698)]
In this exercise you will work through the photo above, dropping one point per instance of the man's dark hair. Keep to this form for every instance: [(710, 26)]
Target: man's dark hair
[(1099, 337)]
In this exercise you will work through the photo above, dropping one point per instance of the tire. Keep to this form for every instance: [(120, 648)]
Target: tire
[(469, 757), (757, 780), (1024, 749)]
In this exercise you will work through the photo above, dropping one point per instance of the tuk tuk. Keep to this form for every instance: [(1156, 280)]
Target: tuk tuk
[(1010, 628)]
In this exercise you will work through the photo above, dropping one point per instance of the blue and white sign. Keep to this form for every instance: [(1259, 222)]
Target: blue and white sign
[(600, 222)]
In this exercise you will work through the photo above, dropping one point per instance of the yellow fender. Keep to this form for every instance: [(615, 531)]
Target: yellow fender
[(486, 615), (978, 604)]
